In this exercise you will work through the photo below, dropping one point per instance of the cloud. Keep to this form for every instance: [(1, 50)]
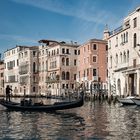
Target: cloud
[(17, 39), (83, 9)]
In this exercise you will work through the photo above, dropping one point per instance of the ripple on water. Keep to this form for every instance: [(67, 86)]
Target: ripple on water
[(95, 120)]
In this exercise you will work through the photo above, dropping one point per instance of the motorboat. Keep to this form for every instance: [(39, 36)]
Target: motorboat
[(127, 100), (136, 101)]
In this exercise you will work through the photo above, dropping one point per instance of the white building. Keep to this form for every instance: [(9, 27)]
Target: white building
[(28, 70), (124, 56), (11, 71)]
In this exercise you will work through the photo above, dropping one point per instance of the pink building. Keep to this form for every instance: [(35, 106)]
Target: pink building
[(92, 64)]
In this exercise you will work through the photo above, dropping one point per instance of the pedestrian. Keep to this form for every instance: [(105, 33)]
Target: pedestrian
[(8, 89)]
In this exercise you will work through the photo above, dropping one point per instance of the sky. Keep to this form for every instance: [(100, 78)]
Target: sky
[(25, 22)]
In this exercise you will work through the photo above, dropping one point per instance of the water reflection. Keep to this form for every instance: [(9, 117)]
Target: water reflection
[(95, 120)]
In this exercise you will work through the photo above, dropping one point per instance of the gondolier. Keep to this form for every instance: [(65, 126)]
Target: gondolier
[(8, 89)]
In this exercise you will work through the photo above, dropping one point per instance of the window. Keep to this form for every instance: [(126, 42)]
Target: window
[(110, 61), (135, 22), (63, 86), (135, 40), (63, 50), (34, 67), (33, 89), (116, 59), (134, 63), (75, 62), (94, 72), (74, 76), (75, 52), (121, 39), (116, 41), (57, 51), (63, 61), (94, 58), (87, 72), (67, 61), (124, 57), (88, 47), (67, 76), (67, 51), (128, 56), (126, 36), (121, 57), (94, 47), (63, 75), (84, 49), (109, 43), (78, 52)]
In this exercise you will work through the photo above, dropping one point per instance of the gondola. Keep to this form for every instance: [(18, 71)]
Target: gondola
[(41, 107)]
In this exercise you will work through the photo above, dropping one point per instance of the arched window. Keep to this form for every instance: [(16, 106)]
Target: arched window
[(46, 65), (34, 67), (135, 40), (121, 57), (128, 56), (116, 58), (126, 36), (63, 75), (67, 76), (63, 61), (33, 89), (124, 57), (121, 38), (67, 61), (110, 61)]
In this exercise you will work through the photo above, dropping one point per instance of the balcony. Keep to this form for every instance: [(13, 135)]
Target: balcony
[(23, 72), (10, 67), (53, 80), (95, 78), (11, 81), (121, 67), (24, 80), (84, 78)]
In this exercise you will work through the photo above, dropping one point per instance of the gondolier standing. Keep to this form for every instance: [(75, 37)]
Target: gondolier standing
[(8, 89)]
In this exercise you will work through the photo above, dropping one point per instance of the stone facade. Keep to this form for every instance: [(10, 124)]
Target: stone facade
[(124, 57)]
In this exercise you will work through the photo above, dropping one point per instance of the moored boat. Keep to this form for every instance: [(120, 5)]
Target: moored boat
[(127, 101), (136, 101)]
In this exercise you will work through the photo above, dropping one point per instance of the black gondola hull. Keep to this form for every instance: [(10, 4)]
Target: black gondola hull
[(46, 108)]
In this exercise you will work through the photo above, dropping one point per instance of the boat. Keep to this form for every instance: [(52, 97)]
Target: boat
[(25, 106), (136, 101), (127, 101)]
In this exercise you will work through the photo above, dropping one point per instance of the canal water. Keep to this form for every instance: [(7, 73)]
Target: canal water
[(95, 120)]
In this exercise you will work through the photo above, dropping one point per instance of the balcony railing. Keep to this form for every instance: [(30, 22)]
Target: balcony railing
[(53, 80), (95, 78), (23, 72), (11, 81), (120, 67), (10, 67)]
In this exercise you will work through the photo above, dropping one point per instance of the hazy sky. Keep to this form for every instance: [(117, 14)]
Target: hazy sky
[(24, 22)]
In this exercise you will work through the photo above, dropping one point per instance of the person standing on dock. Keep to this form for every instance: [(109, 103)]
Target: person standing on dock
[(8, 89)]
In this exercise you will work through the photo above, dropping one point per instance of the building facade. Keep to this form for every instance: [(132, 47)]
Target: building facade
[(2, 91), (62, 67), (28, 70), (92, 65), (124, 57), (11, 71)]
